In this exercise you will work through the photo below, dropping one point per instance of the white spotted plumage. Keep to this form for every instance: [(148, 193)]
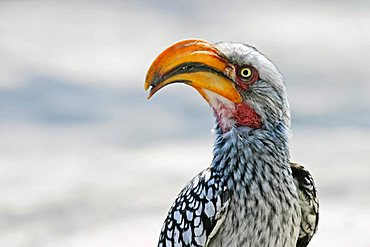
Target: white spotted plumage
[(202, 200)]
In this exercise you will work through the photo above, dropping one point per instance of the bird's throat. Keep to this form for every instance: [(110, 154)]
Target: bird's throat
[(240, 115), (247, 116), (230, 114)]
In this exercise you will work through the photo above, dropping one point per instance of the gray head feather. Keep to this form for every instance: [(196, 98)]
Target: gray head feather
[(268, 95)]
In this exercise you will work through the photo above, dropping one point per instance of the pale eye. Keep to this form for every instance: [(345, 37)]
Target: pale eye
[(245, 73)]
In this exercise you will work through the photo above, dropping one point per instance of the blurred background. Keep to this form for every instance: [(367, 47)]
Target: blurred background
[(86, 160)]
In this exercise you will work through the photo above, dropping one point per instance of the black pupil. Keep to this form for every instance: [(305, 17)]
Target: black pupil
[(245, 73)]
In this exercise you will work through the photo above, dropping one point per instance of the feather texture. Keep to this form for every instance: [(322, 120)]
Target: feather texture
[(308, 201), (195, 212)]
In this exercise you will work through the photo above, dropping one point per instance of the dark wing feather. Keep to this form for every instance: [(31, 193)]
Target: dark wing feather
[(308, 201), (193, 217)]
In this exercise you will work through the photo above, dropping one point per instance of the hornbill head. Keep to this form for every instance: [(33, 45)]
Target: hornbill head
[(243, 87)]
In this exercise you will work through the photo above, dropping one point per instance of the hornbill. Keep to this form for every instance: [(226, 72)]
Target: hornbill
[(251, 194)]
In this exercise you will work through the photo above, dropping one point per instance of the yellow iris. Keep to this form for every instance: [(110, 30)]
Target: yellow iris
[(245, 73)]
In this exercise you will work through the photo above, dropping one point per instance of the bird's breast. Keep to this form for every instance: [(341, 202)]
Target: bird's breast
[(258, 217)]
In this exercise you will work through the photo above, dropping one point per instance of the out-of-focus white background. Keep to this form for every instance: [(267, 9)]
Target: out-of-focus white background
[(86, 160)]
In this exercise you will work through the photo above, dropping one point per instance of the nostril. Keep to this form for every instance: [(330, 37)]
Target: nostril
[(187, 68)]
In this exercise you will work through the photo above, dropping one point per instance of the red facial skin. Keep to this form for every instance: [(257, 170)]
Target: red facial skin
[(246, 115), (243, 114)]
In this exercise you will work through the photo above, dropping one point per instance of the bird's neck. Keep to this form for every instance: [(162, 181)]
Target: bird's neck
[(245, 153)]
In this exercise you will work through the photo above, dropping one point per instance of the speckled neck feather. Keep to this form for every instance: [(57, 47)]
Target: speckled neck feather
[(256, 147), (255, 166)]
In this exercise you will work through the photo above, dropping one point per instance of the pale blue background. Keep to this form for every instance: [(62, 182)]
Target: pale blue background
[(86, 160)]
